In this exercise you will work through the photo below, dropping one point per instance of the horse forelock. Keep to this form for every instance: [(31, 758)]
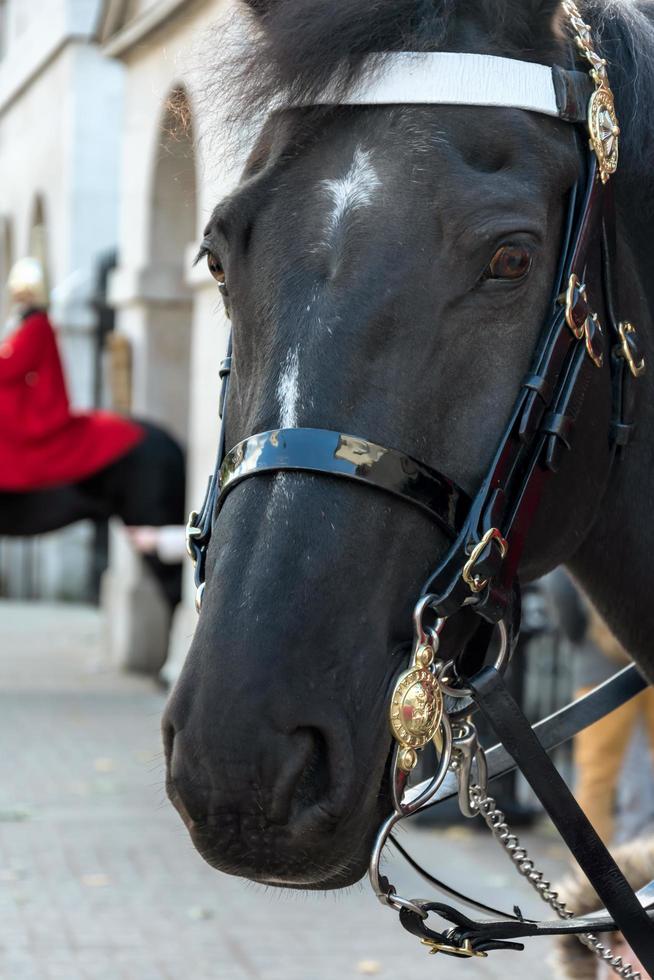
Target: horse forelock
[(290, 51)]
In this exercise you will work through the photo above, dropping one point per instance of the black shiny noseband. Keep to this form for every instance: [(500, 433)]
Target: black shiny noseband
[(337, 454), (581, 336)]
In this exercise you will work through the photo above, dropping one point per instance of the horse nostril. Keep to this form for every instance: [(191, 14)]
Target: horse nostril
[(297, 773), (186, 785), (313, 784), (168, 734), (313, 780)]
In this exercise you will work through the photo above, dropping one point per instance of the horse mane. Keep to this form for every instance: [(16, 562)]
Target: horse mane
[(294, 49), (626, 32)]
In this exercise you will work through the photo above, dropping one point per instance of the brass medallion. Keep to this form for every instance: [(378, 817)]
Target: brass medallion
[(604, 131), (602, 119), (416, 712)]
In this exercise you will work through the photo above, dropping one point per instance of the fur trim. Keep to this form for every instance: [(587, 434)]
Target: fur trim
[(571, 959)]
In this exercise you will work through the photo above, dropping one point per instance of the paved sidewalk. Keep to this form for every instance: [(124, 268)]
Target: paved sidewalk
[(99, 881)]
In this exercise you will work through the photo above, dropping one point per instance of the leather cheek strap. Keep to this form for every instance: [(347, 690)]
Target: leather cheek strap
[(513, 729), (573, 90)]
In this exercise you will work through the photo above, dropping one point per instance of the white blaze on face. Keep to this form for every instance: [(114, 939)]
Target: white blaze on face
[(348, 194), (288, 390), (353, 191), (288, 399)]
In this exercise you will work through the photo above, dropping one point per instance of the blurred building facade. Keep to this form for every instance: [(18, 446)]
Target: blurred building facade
[(61, 104), (107, 145), (169, 311)]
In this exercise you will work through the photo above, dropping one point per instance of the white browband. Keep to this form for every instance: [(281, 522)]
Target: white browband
[(451, 79)]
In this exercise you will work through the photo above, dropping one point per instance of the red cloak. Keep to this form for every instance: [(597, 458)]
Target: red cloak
[(43, 443)]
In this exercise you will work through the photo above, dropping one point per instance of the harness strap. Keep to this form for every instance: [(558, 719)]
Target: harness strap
[(573, 90), (626, 354), (447, 942), (513, 729), (539, 431)]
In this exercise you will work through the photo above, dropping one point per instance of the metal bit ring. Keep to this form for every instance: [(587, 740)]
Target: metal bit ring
[(500, 663)]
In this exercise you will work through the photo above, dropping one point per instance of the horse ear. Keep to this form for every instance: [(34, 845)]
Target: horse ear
[(540, 19), (548, 12), (260, 7)]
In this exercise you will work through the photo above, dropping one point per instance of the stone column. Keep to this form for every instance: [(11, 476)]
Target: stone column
[(154, 311), (137, 618)]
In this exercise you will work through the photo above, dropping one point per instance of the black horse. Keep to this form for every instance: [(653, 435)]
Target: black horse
[(145, 486), (388, 272)]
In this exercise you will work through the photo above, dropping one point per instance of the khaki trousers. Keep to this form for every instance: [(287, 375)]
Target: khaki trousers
[(599, 752)]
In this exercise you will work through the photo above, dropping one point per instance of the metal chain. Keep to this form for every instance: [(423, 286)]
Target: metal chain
[(486, 806)]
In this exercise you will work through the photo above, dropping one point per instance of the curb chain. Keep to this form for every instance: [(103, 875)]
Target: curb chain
[(494, 818)]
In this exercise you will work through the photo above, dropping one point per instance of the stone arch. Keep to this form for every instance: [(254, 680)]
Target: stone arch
[(155, 299), (173, 221), (171, 233)]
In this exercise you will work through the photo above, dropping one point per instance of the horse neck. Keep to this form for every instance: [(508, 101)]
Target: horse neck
[(613, 563)]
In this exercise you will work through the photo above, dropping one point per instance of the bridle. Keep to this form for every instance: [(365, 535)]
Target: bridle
[(433, 700)]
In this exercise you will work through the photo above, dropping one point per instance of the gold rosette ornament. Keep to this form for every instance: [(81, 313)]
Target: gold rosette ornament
[(416, 710), (603, 125)]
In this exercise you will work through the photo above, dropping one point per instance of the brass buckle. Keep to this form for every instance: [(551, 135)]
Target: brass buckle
[(574, 286), (636, 369), (465, 952), (574, 290), (475, 582), (192, 531)]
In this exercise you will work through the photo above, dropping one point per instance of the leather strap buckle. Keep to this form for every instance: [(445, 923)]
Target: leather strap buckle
[(465, 951), (630, 348), (576, 305), (583, 323), (195, 542), (473, 580), (193, 531)]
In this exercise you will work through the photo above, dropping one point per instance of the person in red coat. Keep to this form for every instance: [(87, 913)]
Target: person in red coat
[(42, 442)]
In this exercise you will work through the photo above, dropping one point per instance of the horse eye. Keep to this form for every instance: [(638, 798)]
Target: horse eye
[(216, 269), (510, 262)]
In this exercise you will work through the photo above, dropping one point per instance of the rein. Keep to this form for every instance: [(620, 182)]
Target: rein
[(433, 699)]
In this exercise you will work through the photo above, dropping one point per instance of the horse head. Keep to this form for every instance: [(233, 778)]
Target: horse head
[(388, 270)]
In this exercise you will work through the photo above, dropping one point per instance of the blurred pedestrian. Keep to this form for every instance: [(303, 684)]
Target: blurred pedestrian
[(600, 751)]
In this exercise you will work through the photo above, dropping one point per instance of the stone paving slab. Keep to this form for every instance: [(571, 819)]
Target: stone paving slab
[(99, 881)]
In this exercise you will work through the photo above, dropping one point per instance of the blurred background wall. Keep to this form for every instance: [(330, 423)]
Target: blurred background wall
[(108, 173), (61, 105)]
